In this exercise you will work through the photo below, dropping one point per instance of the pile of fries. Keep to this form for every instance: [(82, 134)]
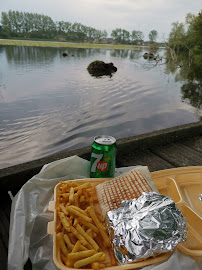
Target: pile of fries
[(81, 234)]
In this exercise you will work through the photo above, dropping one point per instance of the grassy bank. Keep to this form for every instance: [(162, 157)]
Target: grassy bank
[(68, 45)]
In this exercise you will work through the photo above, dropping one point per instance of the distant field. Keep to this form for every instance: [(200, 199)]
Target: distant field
[(69, 45)]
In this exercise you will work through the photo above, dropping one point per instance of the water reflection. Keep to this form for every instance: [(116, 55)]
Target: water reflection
[(184, 70), (132, 54), (192, 92), (22, 54), (50, 103), (120, 53), (80, 53), (45, 55)]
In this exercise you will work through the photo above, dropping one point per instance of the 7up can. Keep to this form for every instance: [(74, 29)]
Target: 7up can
[(103, 157)]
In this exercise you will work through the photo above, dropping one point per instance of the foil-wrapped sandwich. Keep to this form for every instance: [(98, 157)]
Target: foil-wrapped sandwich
[(141, 222), (144, 227)]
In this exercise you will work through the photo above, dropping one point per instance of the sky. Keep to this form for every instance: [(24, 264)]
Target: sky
[(142, 15)]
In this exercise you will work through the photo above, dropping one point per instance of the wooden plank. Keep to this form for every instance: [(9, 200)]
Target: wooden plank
[(3, 255), (179, 155), (14, 177), (4, 230), (194, 143), (28, 265), (5, 221), (145, 158)]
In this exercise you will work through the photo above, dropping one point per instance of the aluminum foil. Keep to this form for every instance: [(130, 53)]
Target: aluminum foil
[(145, 227)]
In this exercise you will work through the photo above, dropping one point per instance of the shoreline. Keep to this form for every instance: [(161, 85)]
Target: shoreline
[(59, 44)]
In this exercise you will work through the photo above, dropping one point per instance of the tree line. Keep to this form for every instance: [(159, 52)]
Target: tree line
[(187, 37), (15, 24)]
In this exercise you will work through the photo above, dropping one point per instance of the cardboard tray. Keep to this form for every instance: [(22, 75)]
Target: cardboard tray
[(56, 251), (184, 185)]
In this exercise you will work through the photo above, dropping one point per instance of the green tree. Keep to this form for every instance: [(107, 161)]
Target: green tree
[(136, 36), (153, 35), (33, 25), (189, 41), (104, 34), (177, 35), (120, 35)]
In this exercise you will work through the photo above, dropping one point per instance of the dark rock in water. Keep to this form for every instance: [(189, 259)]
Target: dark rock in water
[(100, 68), (151, 55), (64, 54)]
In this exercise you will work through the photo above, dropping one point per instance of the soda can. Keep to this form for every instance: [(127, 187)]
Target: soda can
[(103, 157)]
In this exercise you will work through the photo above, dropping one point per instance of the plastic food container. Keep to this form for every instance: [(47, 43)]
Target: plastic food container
[(56, 250), (184, 185)]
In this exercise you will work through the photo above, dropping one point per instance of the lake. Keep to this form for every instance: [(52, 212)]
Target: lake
[(50, 103)]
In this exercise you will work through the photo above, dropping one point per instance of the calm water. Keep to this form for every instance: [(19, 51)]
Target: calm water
[(50, 103)]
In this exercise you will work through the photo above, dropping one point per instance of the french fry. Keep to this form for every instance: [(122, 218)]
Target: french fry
[(71, 217), (64, 195), (64, 210), (64, 221), (76, 199), (71, 195), (90, 233), (86, 185), (70, 264), (95, 265), (82, 198), (102, 257), (77, 213), (89, 247), (113, 260), (90, 225), (68, 204), (64, 258), (59, 228), (79, 192), (76, 247), (62, 243), (69, 183), (82, 248), (79, 210), (75, 222), (80, 255), (68, 242), (72, 238), (87, 261), (99, 226), (99, 216), (87, 237), (78, 235), (86, 195)]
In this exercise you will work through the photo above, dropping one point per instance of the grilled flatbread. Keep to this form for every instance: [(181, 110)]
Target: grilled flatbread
[(125, 187)]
